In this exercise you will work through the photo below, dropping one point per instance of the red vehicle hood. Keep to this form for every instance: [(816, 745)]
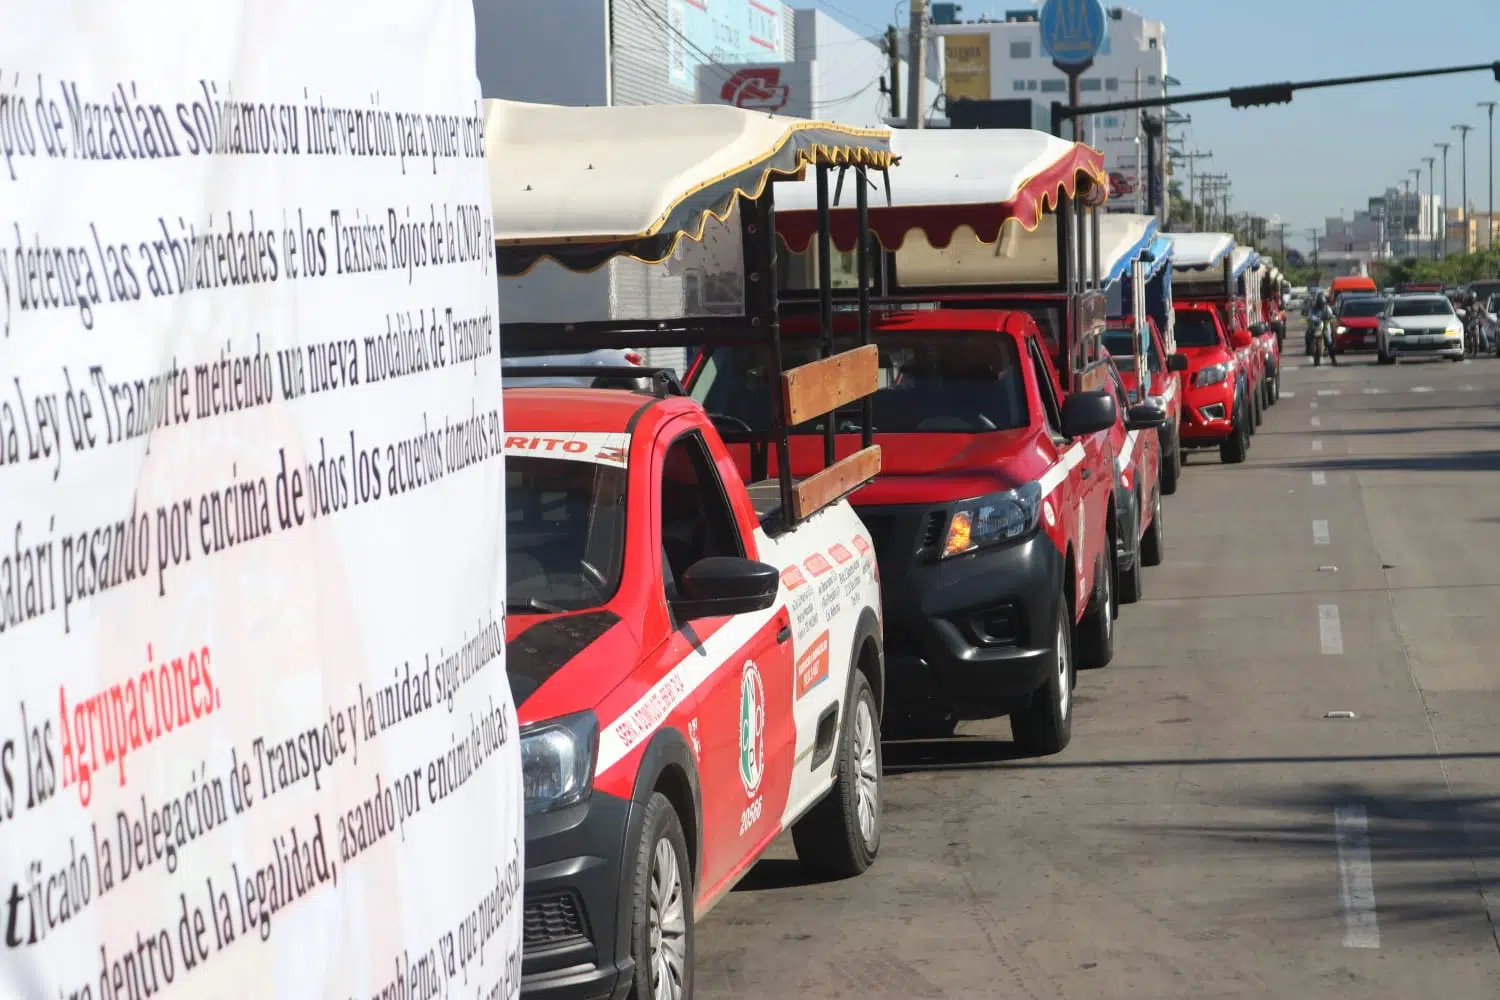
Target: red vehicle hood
[(936, 468), (560, 664), (1202, 357)]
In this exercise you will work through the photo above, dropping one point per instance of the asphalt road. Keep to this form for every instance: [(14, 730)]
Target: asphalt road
[(1212, 831)]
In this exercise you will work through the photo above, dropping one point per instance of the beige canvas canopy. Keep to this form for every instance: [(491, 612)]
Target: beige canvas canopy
[(584, 185), (1020, 257)]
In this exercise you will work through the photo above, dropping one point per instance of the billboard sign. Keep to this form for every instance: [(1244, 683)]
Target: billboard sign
[(968, 67)]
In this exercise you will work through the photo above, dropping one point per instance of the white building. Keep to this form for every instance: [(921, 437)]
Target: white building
[(753, 53), (1003, 60)]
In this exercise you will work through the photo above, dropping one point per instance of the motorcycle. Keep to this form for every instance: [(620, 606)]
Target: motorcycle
[(1320, 332)]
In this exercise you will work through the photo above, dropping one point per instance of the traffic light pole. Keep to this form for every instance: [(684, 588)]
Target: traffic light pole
[(1249, 97)]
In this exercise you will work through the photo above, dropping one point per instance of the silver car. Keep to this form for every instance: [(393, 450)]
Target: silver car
[(1420, 326)]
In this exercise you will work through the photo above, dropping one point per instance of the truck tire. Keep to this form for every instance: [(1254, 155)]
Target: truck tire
[(1256, 410), (1234, 450), (1045, 725), (1171, 465), (1153, 542), (1384, 359), (1132, 579), (1096, 632), (661, 891), (840, 837)]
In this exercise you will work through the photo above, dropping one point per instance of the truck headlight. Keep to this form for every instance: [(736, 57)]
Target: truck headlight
[(1212, 375), (557, 761), (990, 520), (1342, 329), (1394, 331), (1455, 330)]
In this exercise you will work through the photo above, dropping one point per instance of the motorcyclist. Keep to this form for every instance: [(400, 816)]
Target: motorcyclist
[(1321, 316)]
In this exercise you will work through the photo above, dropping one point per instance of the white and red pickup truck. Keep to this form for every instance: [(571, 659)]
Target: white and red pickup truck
[(698, 664)]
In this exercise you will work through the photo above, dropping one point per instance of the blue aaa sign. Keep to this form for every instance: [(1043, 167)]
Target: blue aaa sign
[(1073, 31)]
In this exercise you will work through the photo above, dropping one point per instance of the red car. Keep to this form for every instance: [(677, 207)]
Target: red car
[(1216, 411), (1139, 540), (1165, 390), (1358, 324)]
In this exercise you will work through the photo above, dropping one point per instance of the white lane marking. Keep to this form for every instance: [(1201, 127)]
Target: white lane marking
[(1053, 477), (1317, 446), (1328, 392), (1288, 394), (1374, 392), (1330, 634), (1466, 388), (1320, 478), (1316, 421), (1351, 826), (1421, 388), (1320, 532), (1313, 405)]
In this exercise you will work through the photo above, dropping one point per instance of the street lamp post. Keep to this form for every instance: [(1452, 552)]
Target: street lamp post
[(1489, 106), (1406, 218), (1445, 146), (1463, 146), (1416, 174)]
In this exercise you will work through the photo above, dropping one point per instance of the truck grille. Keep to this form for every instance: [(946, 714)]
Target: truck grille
[(551, 921), (899, 534)]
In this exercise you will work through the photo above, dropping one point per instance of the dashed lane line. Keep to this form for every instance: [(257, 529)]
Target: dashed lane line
[(1351, 827), (1320, 478), (1330, 632), (1320, 532)]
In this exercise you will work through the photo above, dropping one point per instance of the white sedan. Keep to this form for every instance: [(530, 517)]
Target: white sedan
[(1420, 326)]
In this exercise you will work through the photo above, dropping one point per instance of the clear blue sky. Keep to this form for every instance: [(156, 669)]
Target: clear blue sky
[(1329, 149)]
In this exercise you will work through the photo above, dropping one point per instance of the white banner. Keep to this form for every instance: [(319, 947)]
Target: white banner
[(256, 737)]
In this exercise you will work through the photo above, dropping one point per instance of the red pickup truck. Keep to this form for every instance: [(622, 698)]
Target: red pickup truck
[(1216, 404), (1165, 388), (993, 518)]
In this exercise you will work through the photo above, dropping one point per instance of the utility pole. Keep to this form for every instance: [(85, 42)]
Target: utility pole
[(1193, 159), (1463, 146), (1140, 195), (1405, 217), (893, 54), (1490, 219), (1315, 237), (1421, 216), (1431, 162), (1445, 146), (916, 61)]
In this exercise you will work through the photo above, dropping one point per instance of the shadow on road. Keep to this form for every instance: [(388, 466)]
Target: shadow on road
[(1458, 461), (1431, 849), (980, 754)]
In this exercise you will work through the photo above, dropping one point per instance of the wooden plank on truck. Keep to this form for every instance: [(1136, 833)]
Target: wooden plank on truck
[(838, 480), (823, 386)]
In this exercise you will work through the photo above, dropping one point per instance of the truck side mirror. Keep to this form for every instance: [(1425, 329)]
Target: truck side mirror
[(1085, 413), (1144, 416), (1177, 363), (1241, 339), (725, 585), (1257, 328)]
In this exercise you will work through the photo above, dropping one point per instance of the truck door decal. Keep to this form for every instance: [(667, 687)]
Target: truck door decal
[(1060, 470)]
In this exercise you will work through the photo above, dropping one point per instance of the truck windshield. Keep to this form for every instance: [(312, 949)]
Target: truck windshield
[(1121, 344), (1195, 328), (931, 382), (564, 533), (1422, 307)]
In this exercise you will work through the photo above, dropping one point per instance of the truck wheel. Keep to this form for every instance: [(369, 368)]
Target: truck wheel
[(661, 936), (1276, 386), (1171, 468), (1096, 633), (1234, 450), (1383, 358), (841, 835), (1255, 407), (1132, 579), (1153, 542), (1045, 725)]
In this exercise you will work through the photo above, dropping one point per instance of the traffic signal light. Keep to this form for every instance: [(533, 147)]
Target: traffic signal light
[(1270, 93)]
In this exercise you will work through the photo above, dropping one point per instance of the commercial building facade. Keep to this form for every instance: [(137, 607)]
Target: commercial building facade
[(749, 53), (997, 60)]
